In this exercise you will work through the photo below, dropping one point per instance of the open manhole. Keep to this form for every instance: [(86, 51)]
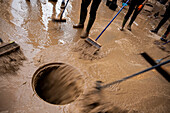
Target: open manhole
[(58, 83)]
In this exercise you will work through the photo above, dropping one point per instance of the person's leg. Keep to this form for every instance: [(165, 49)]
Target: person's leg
[(167, 31), (83, 13), (163, 38), (62, 4), (113, 5), (130, 10), (93, 10), (164, 19), (137, 11), (160, 24)]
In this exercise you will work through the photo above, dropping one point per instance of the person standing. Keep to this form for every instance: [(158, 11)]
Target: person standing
[(83, 14), (136, 5), (162, 22)]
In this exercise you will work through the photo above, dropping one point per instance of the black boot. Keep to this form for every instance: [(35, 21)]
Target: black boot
[(113, 5), (82, 20), (89, 25), (163, 38), (108, 2), (129, 27), (1, 41), (123, 24), (154, 31), (62, 5)]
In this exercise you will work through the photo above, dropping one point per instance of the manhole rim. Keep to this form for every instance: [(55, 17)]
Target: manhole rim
[(41, 68)]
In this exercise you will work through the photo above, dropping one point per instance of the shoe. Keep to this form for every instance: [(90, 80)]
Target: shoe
[(163, 39), (84, 34), (62, 5), (108, 2), (78, 26), (113, 6), (129, 27), (121, 29), (154, 31), (1, 41)]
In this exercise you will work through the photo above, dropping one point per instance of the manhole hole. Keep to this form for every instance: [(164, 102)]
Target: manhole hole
[(58, 83)]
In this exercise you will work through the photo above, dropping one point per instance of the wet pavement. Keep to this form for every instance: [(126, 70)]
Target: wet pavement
[(44, 41)]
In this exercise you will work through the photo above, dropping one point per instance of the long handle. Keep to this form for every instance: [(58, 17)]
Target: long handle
[(64, 9), (159, 60), (148, 69), (165, 42), (111, 21)]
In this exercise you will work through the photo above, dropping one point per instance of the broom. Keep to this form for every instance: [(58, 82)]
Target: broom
[(10, 57), (61, 19), (97, 46), (99, 87), (6, 48)]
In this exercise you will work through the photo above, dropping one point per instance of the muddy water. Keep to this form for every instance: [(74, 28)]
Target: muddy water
[(43, 41)]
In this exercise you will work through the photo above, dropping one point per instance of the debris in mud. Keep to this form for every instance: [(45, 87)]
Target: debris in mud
[(10, 63), (93, 101), (57, 83)]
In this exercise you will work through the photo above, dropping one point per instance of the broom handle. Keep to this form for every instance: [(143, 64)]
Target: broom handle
[(111, 21), (165, 42), (64, 10), (118, 81)]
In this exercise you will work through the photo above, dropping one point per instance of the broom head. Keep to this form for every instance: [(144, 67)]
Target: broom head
[(59, 19), (93, 43), (7, 48)]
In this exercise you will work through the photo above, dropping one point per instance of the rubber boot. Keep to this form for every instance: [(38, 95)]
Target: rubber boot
[(154, 31), (163, 38), (129, 27), (130, 24), (89, 25), (62, 5), (1, 41), (82, 20), (123, 24)]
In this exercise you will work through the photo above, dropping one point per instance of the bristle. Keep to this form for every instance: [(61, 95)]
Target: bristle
[(93, 43), (59, 20), (7, 48)]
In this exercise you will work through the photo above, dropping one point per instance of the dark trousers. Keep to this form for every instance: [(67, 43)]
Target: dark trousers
[(93, 9), (133, 6), (164, 19), (162, 22), (167, 31)]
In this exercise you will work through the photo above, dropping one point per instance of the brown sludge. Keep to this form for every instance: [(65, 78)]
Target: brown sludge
[(86, 50), (10, 63), (59, 84), (94, 101)]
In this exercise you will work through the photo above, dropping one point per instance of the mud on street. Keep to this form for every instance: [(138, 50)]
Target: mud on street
[(43, 41)]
